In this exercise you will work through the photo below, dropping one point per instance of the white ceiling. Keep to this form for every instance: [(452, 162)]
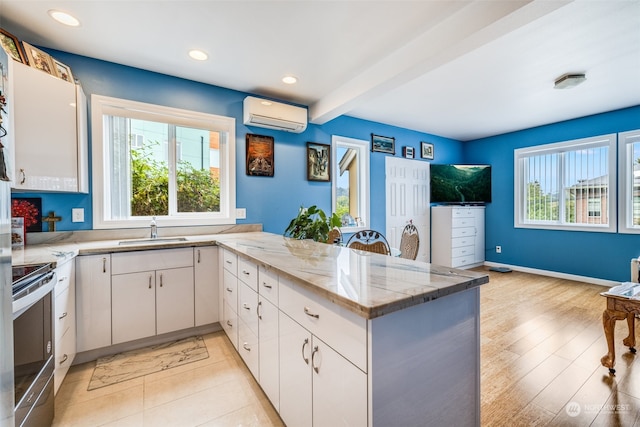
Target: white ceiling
[(459, 69)]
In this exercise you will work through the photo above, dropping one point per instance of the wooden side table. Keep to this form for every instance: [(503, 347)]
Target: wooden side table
[(618, 308)]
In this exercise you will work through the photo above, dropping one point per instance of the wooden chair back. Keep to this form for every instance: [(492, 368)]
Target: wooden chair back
[(409, 242), (335, 236), (370, 241)]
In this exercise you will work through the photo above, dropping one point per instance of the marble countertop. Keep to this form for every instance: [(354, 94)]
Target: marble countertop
[(368, 284)]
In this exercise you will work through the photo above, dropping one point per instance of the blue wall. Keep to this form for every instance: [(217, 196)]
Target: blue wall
[(271, 201), (599, 255)]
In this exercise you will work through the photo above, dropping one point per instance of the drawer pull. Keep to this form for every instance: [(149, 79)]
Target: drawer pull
[(258, 310), (64, 359), (63, 316), (246, 346), (160, 279), (198, 256), (266, 286), (63, 278), (308, 312), (246, 273), (229, 290), (313, 358), (104, 265), (228, 262), (229, 323), (245, 306), (304, 344), (149, 281)]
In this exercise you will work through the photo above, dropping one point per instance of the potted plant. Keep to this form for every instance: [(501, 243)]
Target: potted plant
[(312, 223)]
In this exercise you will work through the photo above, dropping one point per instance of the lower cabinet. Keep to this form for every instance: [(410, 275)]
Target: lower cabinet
[(268, 350), (93, 302)]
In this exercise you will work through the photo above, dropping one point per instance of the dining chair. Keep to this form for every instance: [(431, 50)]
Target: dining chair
[(409, 242), (335, 236), (370, 241)]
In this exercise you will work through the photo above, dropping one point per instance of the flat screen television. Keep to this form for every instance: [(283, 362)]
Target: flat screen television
[(460, 184)]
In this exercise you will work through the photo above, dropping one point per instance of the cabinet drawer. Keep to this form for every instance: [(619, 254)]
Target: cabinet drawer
[(248, 273), (467, 251), (268, 285), (230, 261), (459, 242), (64, 273), (64, 312), (462, 261), (463, 221), (248, 347), (340, 328), (463, 232), (132, 262), (248, 306), (229, 323), (461, 213), (230, 290)]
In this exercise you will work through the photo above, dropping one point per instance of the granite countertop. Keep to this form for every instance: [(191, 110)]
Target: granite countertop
[(368, 284)]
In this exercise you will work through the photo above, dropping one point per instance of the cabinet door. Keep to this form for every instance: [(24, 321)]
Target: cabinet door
[(174, 299), (295, 373), (335, 382), (230, 323), (93, 301), (134, 306), (269, 368), (206, 285), (248, 347)]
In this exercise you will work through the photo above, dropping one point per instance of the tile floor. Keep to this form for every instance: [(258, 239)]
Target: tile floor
[(217, 391)]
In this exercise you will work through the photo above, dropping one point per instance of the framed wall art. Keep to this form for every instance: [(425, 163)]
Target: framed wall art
[(383, 144), (62, 71), (426, 150), (39, 59), (11, 45), (318, 162), (259, 155), (407, 152)]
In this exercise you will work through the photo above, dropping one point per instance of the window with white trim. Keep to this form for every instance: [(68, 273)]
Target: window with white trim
[(155, 161), (629, 181), (568, 185), (350, 182)]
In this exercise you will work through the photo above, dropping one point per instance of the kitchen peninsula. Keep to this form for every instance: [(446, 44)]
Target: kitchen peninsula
[(360, 338)]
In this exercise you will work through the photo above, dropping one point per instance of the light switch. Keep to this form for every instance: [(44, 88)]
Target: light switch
[(77, 215), (241, 213)]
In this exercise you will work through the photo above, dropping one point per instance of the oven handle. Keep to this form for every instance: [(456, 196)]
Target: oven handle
[(23, 304)]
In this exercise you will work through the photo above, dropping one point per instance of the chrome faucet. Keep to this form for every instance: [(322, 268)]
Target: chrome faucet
[(154, 228)]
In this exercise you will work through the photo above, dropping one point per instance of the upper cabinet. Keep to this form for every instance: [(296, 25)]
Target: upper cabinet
[(49, 132)]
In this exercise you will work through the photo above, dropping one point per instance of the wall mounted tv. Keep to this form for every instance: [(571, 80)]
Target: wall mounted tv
[(460, 184)]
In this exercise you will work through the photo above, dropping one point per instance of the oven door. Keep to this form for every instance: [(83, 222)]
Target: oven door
[(33, 360)]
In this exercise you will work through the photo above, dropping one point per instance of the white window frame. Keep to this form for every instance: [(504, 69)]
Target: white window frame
[(520, 185), (625, 182), (362, 148), (103, 105)]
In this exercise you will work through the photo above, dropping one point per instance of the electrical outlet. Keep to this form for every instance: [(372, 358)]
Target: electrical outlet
[(241, 213), (498, 249), (77, 215)]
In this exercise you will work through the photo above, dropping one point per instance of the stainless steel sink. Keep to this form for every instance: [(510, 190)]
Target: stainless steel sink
[(157, 240)]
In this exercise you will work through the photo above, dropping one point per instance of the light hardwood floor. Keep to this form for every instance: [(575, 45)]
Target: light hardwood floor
[(542, 341)]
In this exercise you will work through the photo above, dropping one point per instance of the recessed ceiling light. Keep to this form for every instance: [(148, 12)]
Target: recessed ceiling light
[(64, 18), (569, 80), (198, 55), (289, 80)]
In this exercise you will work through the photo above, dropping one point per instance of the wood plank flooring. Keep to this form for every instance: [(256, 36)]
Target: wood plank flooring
[(542, 340)]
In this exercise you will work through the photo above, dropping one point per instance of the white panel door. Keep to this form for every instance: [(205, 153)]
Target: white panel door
[(174, 299), (408, 199)]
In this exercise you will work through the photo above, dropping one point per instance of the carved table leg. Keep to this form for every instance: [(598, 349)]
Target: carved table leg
[(630, 341), (609, 318)]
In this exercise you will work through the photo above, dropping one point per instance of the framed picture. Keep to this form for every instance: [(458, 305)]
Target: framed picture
[(259, 155), (39, 59), (407, 152), (30, 209), (383, 144), (426, 150), (62, 71), (11, 45), (318, 162)]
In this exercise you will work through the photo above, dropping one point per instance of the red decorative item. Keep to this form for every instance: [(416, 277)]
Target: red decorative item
[(26, 210)]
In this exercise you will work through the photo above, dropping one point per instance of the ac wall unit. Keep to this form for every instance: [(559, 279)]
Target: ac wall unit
[(274, 115)]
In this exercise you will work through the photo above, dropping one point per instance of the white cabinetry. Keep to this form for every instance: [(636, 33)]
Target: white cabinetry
[(205, 270), (93, 301), (457, 236), (64, 321), (229, 297), (268, 338), (152, 293), (49, 132)]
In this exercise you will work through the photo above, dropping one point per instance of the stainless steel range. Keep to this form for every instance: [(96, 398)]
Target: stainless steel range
[(32, 288)]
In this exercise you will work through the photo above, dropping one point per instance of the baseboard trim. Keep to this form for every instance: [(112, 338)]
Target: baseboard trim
[(593, 280)]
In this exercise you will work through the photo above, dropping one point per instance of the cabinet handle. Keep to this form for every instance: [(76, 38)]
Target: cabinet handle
[(63, 316), (149, 281), (160, 279), (104, 265), (228, 262), (304, 344), (229, 290), (24, 176), (246, 273), (229, 323), (198, 256), (308, 312), (245, 306), (266, 286), (313, 358), (64, 359), (246, 346), (62, 279), (258, 310)]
